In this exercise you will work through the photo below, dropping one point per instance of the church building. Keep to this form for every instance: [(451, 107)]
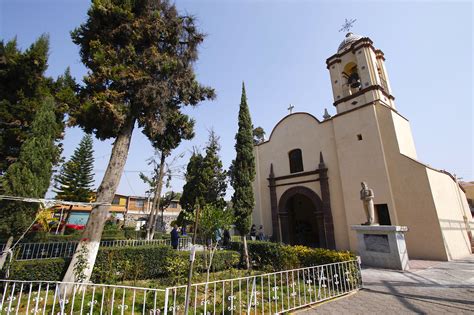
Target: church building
[(309, 171)]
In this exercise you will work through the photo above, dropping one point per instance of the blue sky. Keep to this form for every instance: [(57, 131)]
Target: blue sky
[(279, 49)]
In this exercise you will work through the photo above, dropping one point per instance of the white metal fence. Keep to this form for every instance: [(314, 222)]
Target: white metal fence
[(29, 251), (269, 293), (26, 297)]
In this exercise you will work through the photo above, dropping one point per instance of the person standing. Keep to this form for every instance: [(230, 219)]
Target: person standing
[(226, 239), (253, 232), (174, 237), (260, 235)]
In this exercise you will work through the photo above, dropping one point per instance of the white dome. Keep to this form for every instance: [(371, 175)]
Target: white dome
[(350, 38)]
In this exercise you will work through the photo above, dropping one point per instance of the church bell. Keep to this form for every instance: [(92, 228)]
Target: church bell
[(354, 80)]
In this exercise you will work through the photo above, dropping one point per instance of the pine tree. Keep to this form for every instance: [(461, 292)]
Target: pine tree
[(24, 87), (194, 189), (75, 179), (243, 174), (140, 57), (214, 177), (30, 175), (177, 127), (258, 135), (205, 178)]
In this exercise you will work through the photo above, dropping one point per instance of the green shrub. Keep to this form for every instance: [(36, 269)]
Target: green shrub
[(270, 256), (113, 235), (130, 263), (114, 264), (131, 234), (160, 235), (151, 262), (40, 269), (318, 256)]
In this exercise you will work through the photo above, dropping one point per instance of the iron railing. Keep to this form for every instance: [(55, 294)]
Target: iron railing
[(29, 251), (269, 293), (45, 297)]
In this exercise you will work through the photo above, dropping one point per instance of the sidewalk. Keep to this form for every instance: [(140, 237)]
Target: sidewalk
[(428, 288)]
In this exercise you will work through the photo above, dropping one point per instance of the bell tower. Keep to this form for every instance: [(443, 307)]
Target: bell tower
[(358, 74)]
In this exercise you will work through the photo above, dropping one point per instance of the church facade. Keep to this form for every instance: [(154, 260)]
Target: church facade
[(309, 171)]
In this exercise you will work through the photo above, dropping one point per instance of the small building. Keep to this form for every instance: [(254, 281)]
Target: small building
[(134, 210), (138, 211), (79, 214), (309, 171)]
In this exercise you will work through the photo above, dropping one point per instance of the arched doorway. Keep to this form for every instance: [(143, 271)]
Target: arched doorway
[(302, 222), (301, 218)]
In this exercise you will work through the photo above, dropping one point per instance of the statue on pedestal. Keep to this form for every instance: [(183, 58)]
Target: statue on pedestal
[(367, 197)]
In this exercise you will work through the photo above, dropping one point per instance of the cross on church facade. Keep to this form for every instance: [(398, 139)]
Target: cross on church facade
[(348, 24), (290, 108)]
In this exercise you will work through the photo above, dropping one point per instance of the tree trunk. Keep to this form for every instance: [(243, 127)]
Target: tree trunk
[(152, 213), (246, 253), (5, 253), (191, 262), (67, 215), (157, 198), (87, 249)]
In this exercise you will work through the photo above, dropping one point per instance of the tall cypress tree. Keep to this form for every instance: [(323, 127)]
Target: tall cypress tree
[(30, 175), (243, 174), (75, 180)]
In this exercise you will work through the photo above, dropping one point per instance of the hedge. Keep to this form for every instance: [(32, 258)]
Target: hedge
[(39, 269), (270, 256), (153, 262), (126, 263)]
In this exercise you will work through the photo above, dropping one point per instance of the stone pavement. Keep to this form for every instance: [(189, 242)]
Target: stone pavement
[(428, 288)]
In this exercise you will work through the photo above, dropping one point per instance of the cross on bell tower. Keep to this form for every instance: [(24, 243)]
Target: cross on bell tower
[(290, 108), (348, 24)]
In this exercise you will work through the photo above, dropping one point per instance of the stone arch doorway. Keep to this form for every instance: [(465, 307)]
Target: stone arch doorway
[(301, 218)]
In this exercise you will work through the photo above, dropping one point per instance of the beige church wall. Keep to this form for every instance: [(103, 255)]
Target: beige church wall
[(403, 134), (335, 71), (257, 216), (303, 131), (261, 214), (366, 64), (412, 194), (361, 161), (451, 206)]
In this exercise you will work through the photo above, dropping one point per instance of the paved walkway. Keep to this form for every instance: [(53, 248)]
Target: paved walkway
[(428, 288)]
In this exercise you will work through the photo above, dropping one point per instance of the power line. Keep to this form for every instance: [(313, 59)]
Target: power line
[(52, 202), (129, 185)]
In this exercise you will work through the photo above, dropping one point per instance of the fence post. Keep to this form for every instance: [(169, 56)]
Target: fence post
[(359, 273), (165, 311)]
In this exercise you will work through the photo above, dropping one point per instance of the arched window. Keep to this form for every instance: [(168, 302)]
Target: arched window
[(296, 161)]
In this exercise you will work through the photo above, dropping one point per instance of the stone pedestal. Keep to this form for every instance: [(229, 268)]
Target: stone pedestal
[(382, 246)]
